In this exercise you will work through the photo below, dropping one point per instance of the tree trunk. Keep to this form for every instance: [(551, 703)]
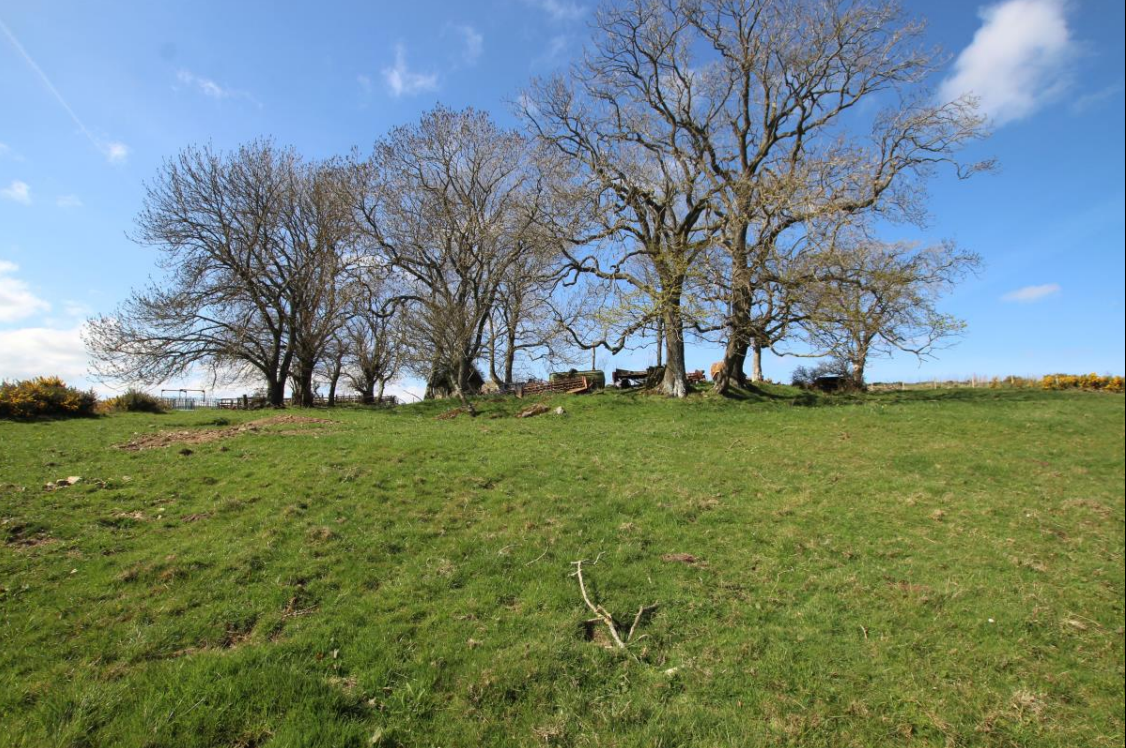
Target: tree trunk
[(738, 317), (275, 392), (382, 385), (332, 388), (675, 380), (510, 357), (756, 361), (493, 357), (860, 362), (858, 366), (367, 395), (464, 367), (303, 385)]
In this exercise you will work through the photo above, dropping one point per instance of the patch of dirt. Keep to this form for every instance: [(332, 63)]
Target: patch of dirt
[(275, 420), (203, 436), (683, 558), (910, 588), (24, 537)]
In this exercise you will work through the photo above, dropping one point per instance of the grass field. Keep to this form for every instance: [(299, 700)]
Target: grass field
[(920, 568)]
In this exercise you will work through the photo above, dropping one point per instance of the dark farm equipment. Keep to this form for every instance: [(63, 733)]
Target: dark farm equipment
[(651, 377)]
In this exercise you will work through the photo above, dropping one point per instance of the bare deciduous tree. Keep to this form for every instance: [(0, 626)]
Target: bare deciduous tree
[(321, 255), (791, 143), (620, 116), (373, 336), (883, 298), (224, 302), (450, 203)]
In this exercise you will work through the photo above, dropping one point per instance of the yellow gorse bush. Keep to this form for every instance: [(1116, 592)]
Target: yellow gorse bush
[(44, 396), (1091, 381)]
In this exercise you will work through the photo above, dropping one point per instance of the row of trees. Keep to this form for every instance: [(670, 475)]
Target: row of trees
[(711, 169)]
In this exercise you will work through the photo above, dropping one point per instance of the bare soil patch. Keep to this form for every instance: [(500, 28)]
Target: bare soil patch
[(202, 436)]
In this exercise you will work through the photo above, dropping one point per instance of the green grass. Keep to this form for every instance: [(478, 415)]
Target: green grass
[(920, 568)]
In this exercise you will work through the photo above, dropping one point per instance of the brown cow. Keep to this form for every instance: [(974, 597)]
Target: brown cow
[(717, 369)]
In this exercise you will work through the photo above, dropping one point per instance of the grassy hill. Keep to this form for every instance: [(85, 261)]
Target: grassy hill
[(923, 568)]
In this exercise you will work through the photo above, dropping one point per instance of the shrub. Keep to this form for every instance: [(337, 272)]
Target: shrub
[(135, 401), (1081, 382), (44, 397)]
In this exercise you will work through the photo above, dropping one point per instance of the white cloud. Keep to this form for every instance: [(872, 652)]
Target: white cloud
[(38, 351), (560, 10), (1018, 60), (69, 201), (17, 191), (16, 299), (212, 89), (4, 150), (473, 40), (1029, 294), (116, 153), (402, 81)]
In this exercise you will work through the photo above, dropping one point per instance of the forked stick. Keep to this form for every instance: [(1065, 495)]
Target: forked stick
[(604, 616)]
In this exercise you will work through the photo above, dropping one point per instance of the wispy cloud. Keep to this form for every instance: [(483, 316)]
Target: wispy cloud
[(18, 192), (113, 151), (76, 309), (4, 150), (1029, 294), (213, 89), (402, 81), (1018, 60), (559, 10), (556, 50), (16, 299), (473, 42), (1093, 99), (69, 201)]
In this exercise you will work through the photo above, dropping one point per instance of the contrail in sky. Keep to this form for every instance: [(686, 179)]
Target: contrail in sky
[(113, 151)]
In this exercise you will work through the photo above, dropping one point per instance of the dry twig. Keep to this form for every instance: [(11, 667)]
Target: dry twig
[(603, 616)]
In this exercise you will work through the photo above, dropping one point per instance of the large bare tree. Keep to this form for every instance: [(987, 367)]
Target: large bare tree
[(881, 298), (322, 255), (619, 116), (451, 203), (373, 337), (224, 302), (767, 95), (255, 243)]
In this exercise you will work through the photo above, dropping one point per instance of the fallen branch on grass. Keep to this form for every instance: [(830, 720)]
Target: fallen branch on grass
[(603, 616)]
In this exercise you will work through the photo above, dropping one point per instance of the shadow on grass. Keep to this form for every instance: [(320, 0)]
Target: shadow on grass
[(752, 393)]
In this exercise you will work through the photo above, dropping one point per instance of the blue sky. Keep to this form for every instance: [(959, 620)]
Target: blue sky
[(93, 96)]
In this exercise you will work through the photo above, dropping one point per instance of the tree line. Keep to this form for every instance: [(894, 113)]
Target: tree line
[(715, 170)]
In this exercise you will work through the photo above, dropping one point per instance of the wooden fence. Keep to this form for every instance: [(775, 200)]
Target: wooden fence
[(255, 402)]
